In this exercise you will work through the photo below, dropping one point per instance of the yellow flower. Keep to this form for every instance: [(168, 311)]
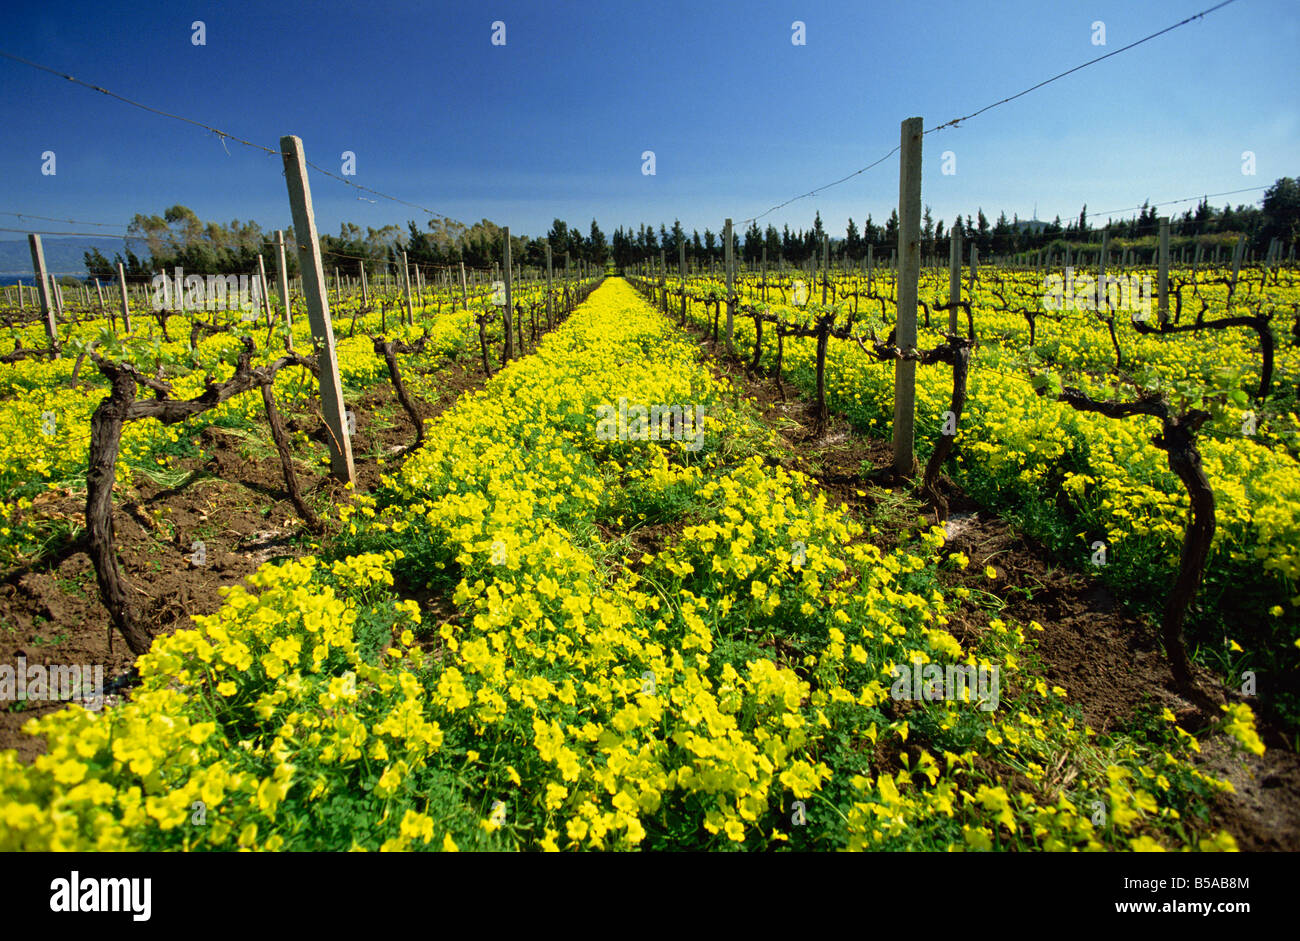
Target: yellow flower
[(69, 772), (416, 825), (1145, 844), (388, 781), (1221, 842), (978, 838)]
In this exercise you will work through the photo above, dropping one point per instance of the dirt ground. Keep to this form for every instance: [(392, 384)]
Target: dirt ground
[(234, 502), (1107, 659)]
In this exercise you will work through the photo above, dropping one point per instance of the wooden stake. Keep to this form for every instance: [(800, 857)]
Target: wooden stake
[(126, 303), (282, 277), (954, 275), (909, 273), (681, 273), (663, 278), (507, 310), (318, 310), (1162, 282), (731, 276), (1237, 252), (1103, 295), (406, 286), (43, 285), (266, 291)]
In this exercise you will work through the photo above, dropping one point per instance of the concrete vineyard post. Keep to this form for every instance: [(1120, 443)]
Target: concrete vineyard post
[(464, 289), (974, 266), (909, 273), (764, 282), (43, 286), (365, 285), (954, 275), (99, 292), (282, 277), (318, 311)]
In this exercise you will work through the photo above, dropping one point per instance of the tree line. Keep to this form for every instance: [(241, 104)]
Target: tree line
[(1277, 217), (179, 238)]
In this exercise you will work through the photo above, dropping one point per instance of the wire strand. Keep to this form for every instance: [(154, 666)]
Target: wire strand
[(29, 215), (223, 136), (1195, 16), (957, 121), (1185, 199), (84, 235)]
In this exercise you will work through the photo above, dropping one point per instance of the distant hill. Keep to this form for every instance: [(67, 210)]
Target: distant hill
[(62, 255)]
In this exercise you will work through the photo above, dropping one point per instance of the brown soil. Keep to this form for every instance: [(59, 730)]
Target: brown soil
[(1107, 659), (235, 502)]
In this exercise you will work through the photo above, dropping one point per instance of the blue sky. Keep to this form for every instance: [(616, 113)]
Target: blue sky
[(554, 122)]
